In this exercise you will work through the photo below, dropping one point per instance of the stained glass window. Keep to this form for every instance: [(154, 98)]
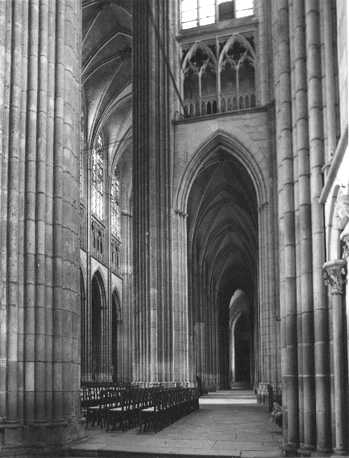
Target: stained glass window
[(115, 204), (97, 197)]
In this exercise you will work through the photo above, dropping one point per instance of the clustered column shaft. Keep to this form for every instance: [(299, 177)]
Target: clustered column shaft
[(39, 163), (305, 339), (287, 236), (151, 192)]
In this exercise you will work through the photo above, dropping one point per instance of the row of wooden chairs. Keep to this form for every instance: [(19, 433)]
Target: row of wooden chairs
[(149, 408), (167, 407)]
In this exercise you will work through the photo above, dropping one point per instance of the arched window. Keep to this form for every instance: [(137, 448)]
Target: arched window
[(97, 325), (83, 343), (116, 319), (115, 204), (97, 197)]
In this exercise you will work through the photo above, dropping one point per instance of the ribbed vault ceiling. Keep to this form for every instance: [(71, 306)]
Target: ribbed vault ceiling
[(222, 216), (106, 69)]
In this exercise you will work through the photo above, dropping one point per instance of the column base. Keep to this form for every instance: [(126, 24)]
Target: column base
[(340, 452), (305, 451), (289, 450), (39, 438)]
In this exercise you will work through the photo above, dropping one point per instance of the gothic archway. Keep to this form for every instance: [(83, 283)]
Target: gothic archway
[(83, 328), (242, 342), (97, 326), (241, 215), (115, 336), (222, 258)]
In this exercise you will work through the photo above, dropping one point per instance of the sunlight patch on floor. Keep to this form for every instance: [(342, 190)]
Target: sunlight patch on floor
[(229, 398)]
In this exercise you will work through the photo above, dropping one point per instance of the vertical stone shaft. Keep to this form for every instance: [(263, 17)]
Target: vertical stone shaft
[(286, 216), (330, 81), (334, 275), (151, 174), (4, 125), (13, 224), (321, 347), (127, 289), (296, 204), (262, 85), (39, 95), (303, 232), (180, 298)]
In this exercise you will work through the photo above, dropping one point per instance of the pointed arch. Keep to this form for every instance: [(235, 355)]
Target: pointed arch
[(115, 335), (221, 141), (97, 324), (236, 38), (195, 47), (83, 327)]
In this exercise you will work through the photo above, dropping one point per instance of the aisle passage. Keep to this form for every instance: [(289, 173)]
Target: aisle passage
[(228, 423)]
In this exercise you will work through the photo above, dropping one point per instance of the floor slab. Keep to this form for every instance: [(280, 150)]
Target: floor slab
[(228, 424)]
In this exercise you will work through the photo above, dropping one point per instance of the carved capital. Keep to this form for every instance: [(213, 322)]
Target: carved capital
[(334, 275)]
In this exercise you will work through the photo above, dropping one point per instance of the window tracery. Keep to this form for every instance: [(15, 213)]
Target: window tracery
[(219, 77), (82, 154), (115, 215), (98, 185)]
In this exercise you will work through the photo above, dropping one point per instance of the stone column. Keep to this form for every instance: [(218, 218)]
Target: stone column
[(127, 293), (152, 191), (287, 234), (303, 232), (316, 162), (345, 256), (334, 273), (40, 48), (330, 80), (181, 327)]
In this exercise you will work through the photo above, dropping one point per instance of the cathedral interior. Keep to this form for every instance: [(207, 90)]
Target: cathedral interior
[(174, 211)]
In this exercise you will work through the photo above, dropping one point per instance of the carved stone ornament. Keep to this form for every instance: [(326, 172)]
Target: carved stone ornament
[(342, 210), (334, 275), (345, 246)]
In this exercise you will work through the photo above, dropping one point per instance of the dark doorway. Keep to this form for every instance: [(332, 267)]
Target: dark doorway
[(83, 328), (243, 350), (97, 305), (115, 334)]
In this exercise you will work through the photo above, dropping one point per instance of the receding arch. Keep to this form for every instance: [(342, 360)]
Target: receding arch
[(217, 260), (222, 244)]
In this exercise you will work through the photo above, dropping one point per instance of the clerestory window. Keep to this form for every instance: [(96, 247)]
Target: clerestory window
[(197, 13), (97, 195), (115, 205)]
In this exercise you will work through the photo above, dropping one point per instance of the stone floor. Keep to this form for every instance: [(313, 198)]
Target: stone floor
[(228, 424)]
